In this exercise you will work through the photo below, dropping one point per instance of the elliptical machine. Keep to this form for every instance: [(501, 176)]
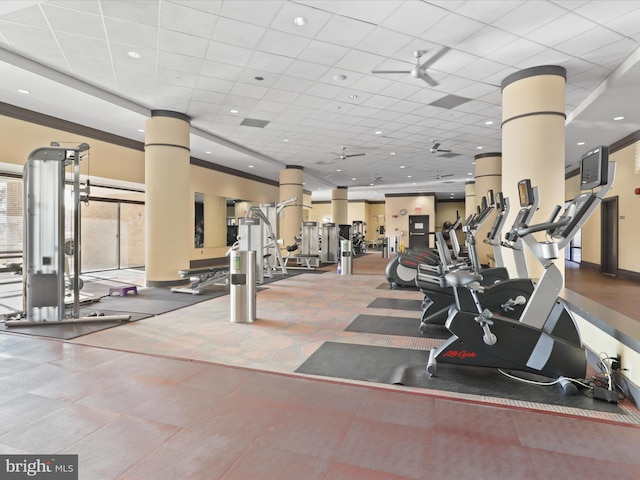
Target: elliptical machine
[(401, 270), (545, 339)]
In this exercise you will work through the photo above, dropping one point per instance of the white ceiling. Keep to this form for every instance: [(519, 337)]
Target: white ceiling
[(202, 58)]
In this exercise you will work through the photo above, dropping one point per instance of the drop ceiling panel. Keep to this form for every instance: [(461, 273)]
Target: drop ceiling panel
[(234, 32), (344, 31), (414, 18)]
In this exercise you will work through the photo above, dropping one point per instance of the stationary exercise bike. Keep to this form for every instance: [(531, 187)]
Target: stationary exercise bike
[(501, 293), (545, 339)]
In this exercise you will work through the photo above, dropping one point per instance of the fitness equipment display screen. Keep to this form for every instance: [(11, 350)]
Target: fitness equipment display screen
[(594, 168), (525, 192), (499, 202), (491, 197)]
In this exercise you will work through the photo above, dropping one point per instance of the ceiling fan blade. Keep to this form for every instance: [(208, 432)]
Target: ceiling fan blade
[(448, 175), (443, 151), (354, 155), (435, 57), (390, 71), (428, 79), (435, 146)]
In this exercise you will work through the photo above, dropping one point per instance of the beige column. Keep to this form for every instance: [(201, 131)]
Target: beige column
[(533, 143), (290, 221), (488, 176), (169, 223), (470, 202), (340, 206)]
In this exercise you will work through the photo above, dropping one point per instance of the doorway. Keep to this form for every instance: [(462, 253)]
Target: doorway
[(418, 231), (609, 235)]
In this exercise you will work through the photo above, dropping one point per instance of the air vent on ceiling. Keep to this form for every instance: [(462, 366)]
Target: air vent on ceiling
[(450, 101), (449, 155), (254, 122)]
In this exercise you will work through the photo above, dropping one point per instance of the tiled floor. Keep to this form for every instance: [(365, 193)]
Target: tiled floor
[(145, 416)]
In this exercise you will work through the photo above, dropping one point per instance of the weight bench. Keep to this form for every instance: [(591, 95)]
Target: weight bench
[(205, 279)]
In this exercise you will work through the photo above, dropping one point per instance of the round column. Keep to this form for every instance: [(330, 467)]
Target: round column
[(533, 144), (291, 185), (488, 176), (169, 223), (469, 200), (340, 206)]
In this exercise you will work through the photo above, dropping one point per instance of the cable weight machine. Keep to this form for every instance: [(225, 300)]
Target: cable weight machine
[(46, 273)]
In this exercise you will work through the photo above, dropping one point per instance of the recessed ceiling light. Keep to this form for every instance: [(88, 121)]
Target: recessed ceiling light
[(371, 184), (353, 97), (401, 166), (393, 153), (338, 170), (353, 178), (300, 21), (207, 151), (469, 173), (489, 122), (250, 166), (580, 143), (23, 91), (133, 54), (339, 78), (233, 110), (141, 130), (285, 139), (618, 118), (479, 147), (408, 176), (378, 132)]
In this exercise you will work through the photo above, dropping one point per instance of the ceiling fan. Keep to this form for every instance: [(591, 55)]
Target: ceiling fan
[(435, 148), (420, 70), (377, 179), (438, 176), (343, 156)]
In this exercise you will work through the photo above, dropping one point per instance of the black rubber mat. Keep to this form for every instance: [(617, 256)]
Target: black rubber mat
[(397, 304), (148, 302), (155, 301), (402, 326), (400, 366), (385, 286)]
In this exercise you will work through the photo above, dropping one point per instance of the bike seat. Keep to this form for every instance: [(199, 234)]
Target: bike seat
[(462, 278)]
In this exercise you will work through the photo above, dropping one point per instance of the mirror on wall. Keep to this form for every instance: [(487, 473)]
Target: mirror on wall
[(216, 220), (199, 221)]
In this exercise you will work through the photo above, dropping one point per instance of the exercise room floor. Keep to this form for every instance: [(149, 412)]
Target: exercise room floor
[(188, 395)]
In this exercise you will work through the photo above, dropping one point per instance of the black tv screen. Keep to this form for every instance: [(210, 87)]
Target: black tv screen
[(594, 168)]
